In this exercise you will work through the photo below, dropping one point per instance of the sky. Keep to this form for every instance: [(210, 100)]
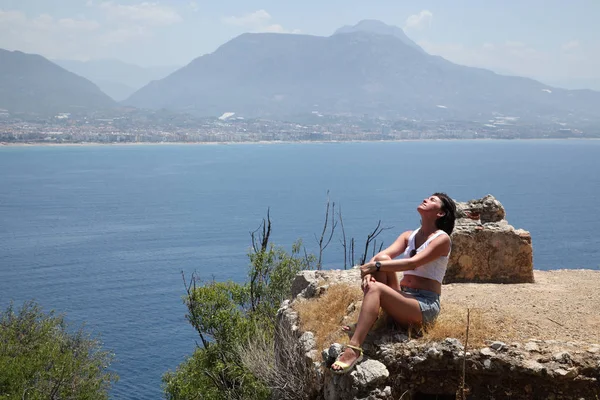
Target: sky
[(555, 41)]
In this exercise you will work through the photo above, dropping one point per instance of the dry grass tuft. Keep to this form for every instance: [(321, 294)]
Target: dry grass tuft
[(484, 325), (287, 374), (325, 315)]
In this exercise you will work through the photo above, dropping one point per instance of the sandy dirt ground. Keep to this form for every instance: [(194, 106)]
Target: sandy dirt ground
[(561, 305)]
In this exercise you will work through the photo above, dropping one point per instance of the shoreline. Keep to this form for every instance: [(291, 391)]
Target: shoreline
[(273, 142)]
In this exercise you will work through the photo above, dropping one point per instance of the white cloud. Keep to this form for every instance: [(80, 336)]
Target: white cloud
[(78, 24), (44, 22), (46, 35), (419, 21), (11, 17), (253, 20), (147, 13), (194, 6), (257, 21), (572, 45), (276, 28), (82, 38)]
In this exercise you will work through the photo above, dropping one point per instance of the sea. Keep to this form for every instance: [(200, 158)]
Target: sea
[(105, 234)]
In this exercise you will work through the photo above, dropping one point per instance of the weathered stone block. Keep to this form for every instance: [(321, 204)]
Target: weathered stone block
[(302, 280), (486, 209), (485, 248)]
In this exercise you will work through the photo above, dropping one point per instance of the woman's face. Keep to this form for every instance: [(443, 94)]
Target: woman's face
[(431, 206)]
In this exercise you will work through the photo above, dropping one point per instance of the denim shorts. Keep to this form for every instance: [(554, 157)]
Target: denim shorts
[(429, 302)]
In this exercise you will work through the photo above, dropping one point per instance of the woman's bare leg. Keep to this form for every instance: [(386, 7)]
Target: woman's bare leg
[(404, 309), (387, 278)]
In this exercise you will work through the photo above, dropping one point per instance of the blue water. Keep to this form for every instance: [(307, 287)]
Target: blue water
[(103, 233)]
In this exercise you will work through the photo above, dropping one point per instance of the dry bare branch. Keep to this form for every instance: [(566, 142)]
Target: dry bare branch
[(370, 240), (343, 241), (462, 394), (192, 307), (324, 241)]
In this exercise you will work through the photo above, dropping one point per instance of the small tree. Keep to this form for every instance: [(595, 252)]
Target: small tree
[(226, 315), (40, 358)]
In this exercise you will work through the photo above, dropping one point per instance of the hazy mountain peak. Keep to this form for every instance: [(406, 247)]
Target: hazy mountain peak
[(31, 83), (354, 73), (379, 28)]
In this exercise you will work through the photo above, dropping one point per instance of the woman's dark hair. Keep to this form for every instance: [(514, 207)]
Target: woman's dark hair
[(446, 223)]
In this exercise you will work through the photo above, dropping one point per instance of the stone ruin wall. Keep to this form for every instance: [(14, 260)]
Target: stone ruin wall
[(398, 367), (485, 249)]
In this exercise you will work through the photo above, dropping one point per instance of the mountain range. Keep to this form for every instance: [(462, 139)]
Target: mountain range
[(30, 83), (369, 68), (117, 79)]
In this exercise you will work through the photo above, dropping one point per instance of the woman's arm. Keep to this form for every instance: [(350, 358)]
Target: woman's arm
[(439, 247), (396, 248)]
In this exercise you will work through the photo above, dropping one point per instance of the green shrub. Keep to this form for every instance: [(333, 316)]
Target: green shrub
[(226, 316), (41, 359)]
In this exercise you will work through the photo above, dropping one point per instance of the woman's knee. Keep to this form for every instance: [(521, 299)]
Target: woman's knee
[(374, 288), (382, 257)]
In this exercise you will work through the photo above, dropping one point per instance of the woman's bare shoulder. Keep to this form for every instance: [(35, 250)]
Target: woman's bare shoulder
[(404, 235)]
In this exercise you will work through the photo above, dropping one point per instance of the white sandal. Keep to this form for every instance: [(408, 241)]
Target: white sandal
[(345, 368)]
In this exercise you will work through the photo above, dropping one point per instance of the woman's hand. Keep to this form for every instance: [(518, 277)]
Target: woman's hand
[(366, 280), (367, 269)]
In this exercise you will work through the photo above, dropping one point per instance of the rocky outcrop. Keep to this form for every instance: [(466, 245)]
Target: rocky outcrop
[(535, 370), (486, 209), (485, 248), (397, 366)]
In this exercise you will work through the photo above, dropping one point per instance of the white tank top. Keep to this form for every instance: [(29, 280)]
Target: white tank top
[(435, 269)]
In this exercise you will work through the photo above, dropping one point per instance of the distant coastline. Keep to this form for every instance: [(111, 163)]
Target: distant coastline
[(272, 142)]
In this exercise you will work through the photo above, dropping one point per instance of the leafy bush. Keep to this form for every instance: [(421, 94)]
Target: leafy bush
[(41, 359), (226, 316)]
